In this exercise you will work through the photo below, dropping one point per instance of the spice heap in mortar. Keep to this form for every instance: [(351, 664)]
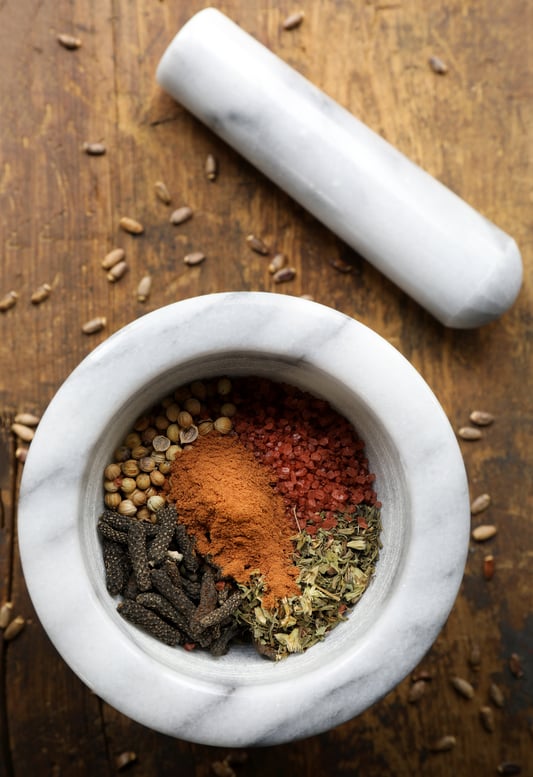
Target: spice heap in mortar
[(239, 509)]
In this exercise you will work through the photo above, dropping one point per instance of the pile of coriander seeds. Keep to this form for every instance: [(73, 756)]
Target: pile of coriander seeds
[(133, 481)]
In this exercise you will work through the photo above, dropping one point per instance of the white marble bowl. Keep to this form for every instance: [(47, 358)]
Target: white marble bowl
[(242, 699)]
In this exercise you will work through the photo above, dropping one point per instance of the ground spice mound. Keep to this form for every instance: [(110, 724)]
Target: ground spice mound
[(226, 500)]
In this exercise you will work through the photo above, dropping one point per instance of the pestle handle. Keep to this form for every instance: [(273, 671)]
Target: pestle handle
[(426, 239)]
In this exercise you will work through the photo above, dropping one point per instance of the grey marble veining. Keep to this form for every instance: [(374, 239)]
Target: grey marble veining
[(241, 699), (438, 249)]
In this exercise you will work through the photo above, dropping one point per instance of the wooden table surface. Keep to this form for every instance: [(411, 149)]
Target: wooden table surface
[(60, 209)]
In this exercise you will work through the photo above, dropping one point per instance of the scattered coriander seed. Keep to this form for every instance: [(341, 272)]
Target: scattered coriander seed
[(68, 41), (444, 744), (117, 271), (130, 468), (94, 149), (192, 405), (257, 245), (94, 325), (126, 507), (469, 433), (112, 258), (23, 432), (155, 503), (437, 65), (41, 294), (205, 427), (223, 425), (486, 716), (293, 20), (161, 443), (228, 409), (224, 386), (28, 419), (185, 419), (112, 500), (480, 503), (6, 611), (496, 696), (144, 288), (8, 301), (211, 168), (278, 261), (463, 687), (284, 275), (131, 225), (489, 567), (14, 628), (515, 665), (162, 193), (194, 258), (189, 435), (481, 418), (180, 215), (484, 532), (157, 478), (198, 390)]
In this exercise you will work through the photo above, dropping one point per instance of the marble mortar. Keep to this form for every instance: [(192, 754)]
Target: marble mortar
[(242, 699)]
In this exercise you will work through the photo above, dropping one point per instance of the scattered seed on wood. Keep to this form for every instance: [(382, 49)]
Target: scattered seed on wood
[(14, 628), (278, 261), (481, 417), (496, 696), (486, 716), (196, 257), (257, 245), (444, 744), (40, 294), (515, 665), (8, 301), (211, 168), (180, 215), (489, 567), (469, 433), (23, 432), (462, 687), (94, 325), (162, 193), (284, 275), (509, 769), (416, 691), (341, 265), (94, 149), (484, 532), (124, 759), (28, 419), (474, 657), (21, 454), (421, 674), (117, 271), (112, 258), (6, 610), (144, 288), (480, 503), (223, 769), (131, 225), (293, 20), (437, 65), (68, 41)]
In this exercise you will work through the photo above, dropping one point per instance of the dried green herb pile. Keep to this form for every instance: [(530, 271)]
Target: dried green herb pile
[(336, 566)]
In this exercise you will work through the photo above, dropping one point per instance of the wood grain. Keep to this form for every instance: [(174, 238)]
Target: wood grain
[(60, 211)]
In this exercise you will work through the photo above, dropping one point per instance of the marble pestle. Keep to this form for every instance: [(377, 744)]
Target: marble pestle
[(438, 249)]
